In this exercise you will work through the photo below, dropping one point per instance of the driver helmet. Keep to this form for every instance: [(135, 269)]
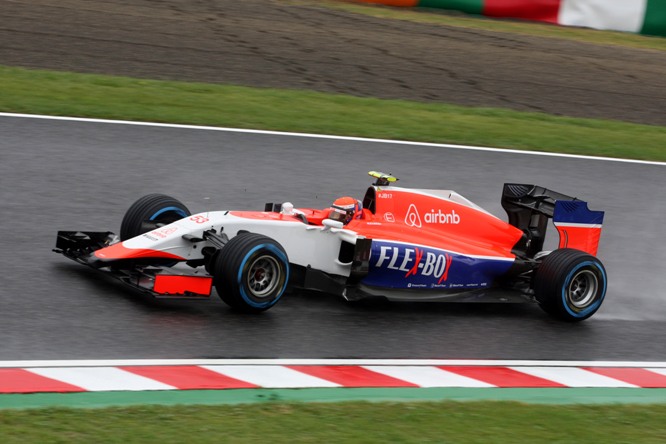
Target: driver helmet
[(344, 209)]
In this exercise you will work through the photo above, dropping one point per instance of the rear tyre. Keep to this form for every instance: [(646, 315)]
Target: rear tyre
[(150, 212), (251, 272), (570, 285)]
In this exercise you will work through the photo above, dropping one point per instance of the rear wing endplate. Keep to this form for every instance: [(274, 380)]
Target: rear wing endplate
[(529, 207)]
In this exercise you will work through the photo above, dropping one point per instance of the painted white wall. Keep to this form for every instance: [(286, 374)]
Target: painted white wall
[(621, 15)]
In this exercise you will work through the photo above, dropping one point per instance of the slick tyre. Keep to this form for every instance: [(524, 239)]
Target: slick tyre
[(251, 272), (570, 285), (150, 212)]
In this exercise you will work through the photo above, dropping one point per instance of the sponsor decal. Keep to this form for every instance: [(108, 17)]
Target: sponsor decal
[(415, 262), (389, 217), (400, 265), (440, 217), (162, 233), (413, 218)]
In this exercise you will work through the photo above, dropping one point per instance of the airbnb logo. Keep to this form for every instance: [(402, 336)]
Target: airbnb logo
[(440, 217), (412, 217)]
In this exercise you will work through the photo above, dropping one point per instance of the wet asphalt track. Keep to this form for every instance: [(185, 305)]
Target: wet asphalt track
[(73, 175)]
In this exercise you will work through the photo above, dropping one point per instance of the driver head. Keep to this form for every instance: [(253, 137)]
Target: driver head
[(344, 209)]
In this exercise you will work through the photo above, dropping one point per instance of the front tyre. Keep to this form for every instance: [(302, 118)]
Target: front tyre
[(570, 284), (251, 272), (150, 212)]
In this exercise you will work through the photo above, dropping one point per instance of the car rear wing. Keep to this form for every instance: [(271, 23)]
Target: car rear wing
[(529, 207)]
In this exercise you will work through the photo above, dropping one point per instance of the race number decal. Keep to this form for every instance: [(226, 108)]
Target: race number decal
[(199, 219)]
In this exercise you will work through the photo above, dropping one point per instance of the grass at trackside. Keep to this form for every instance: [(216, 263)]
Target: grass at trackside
[(357, 422), (70, 94), (449, 18)]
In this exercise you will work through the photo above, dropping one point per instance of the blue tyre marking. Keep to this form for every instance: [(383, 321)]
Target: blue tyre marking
[(178, 211), (567, 281), (281, 256)]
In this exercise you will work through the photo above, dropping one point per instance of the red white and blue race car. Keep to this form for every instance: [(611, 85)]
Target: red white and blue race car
[(397, 243)]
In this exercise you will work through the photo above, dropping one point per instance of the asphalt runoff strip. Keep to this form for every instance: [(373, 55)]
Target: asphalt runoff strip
[(255, 396)]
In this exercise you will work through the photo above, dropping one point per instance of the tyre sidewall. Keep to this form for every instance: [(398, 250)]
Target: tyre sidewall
[(566, 305), (554, 277), (269, 249), (231, 268), (153, 207), (173, 209)]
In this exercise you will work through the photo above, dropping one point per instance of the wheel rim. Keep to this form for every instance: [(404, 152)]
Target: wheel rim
[(263, 276), (583, 289)]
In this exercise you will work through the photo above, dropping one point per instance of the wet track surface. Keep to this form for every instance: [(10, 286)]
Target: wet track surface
[(72, 175)]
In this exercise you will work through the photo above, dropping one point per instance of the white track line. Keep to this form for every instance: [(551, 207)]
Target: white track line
[(654, 366), (325, 136)]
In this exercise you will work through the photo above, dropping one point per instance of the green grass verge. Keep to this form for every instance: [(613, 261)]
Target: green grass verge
[(569, 395), (109, 97), (460, 20), (358, 422)]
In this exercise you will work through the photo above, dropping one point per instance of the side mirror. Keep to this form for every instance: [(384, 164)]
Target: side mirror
[(330, 223)]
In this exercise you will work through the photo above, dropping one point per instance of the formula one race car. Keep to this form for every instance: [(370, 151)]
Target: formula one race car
[(401, 244)]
